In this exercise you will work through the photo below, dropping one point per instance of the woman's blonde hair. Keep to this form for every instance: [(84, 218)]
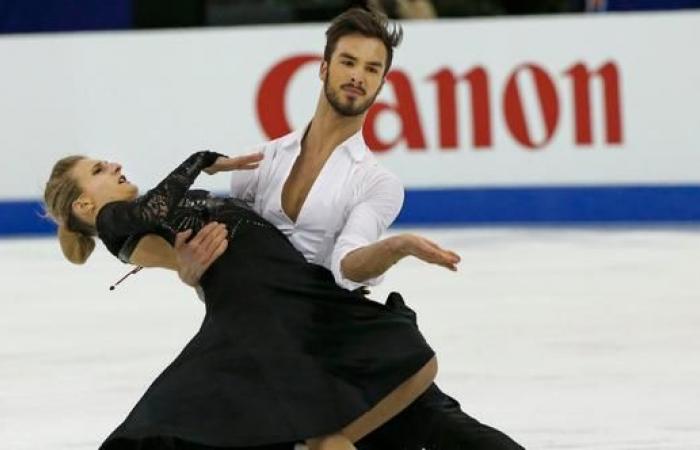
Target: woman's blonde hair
[(75, 236)]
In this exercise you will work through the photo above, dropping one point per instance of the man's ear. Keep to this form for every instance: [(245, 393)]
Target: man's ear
[(323, 70)]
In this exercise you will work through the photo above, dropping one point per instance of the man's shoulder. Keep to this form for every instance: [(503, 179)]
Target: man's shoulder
[(372, 167), (255, 179), (371, 177), (274, 144)]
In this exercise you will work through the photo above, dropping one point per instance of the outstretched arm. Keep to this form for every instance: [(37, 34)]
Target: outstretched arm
[(359, 257), (375, 259), (190, 258), (151, 211)]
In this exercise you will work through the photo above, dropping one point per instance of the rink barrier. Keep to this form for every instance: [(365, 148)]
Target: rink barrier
[(547, 205), (531, 206)]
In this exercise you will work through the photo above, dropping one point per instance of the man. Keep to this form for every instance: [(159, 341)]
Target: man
[(324, 189)]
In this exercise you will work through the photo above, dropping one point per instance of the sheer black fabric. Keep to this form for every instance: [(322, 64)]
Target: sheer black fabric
[(156, 211), (283, 353)]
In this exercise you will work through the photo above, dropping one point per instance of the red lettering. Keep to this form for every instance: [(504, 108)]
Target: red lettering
[(447, 107), (270, 104), (271, 95), (515, 114), (581, 78), (405, 108), (481, 106)]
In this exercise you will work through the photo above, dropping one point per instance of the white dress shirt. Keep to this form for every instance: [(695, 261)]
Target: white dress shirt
[(351, 203)]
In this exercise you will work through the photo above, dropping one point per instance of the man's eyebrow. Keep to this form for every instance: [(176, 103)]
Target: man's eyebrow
[(95, 166), (350, 57)]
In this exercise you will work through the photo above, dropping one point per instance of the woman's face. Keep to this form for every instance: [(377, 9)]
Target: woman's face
[(102, 182)]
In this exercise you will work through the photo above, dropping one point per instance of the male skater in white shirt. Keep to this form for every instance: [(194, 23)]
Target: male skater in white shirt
[(325, 190)]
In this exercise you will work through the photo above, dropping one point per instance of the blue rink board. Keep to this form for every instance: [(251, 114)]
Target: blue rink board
[(633, 205)]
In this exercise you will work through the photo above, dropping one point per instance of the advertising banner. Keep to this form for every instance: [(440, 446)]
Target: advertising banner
[(540, 120)]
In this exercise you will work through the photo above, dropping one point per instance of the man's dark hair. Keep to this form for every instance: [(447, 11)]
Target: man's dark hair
[(369, 23)]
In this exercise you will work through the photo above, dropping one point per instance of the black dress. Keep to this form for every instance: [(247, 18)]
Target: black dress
[(283, 353)]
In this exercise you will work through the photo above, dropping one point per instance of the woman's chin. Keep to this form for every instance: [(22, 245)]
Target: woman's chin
[(132, 191)]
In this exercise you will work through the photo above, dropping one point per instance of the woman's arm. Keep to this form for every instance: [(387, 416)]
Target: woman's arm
[(151, 211), (154, 251), (190, 260)]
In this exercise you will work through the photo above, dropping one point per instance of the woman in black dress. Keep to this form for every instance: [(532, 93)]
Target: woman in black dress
[(283, 354)]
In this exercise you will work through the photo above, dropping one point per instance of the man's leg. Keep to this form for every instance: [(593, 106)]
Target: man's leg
[(436, 422)]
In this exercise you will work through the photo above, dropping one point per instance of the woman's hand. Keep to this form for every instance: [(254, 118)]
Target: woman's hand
[(226, 164)]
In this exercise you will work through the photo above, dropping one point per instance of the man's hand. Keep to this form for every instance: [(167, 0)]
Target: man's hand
[(373, 260), (195, 257), (428, 251), (225, 164)]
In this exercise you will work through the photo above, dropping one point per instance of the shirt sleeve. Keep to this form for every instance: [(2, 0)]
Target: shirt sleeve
[(244, 183), (369, 218)]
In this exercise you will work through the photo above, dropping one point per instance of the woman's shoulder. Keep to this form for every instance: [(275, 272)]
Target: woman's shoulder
[(106, 218), (106, 228)]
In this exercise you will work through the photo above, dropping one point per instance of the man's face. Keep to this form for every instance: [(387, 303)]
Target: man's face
[(355, 74)]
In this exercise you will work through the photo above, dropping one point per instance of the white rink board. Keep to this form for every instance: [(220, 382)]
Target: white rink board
[(148, 99), (563, 339)]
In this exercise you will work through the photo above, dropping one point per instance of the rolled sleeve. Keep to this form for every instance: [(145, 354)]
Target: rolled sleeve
[(375, 210)]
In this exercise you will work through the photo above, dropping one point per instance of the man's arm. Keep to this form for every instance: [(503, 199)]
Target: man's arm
[(359, 258), (374, 260), (196, 255)]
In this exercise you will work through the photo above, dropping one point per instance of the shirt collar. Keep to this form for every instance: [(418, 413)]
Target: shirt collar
[(291, 140), (354, 145)]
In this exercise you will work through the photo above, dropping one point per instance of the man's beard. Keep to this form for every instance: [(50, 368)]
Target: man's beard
[(349, 109)]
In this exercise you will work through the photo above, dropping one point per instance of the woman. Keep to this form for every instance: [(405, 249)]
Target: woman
[(283, 354)]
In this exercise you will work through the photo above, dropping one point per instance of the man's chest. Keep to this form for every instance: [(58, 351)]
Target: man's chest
[(295, 190), (313, 197)]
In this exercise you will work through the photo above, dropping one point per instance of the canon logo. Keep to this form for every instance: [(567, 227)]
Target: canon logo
[(273, 88)]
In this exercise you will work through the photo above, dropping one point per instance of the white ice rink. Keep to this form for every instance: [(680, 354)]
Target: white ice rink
[(564, 339)]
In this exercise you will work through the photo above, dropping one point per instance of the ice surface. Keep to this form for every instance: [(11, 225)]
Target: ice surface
[(564, 339)]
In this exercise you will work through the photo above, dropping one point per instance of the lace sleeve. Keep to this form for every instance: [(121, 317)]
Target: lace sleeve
[(152, 210)]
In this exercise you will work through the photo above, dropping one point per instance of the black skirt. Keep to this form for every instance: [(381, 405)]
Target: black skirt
[(283, 354)]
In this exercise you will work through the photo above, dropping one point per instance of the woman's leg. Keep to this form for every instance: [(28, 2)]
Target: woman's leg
[(388, 407), (330, 442)]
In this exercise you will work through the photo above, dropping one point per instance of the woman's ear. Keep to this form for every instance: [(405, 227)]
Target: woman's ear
[(83, 207)]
